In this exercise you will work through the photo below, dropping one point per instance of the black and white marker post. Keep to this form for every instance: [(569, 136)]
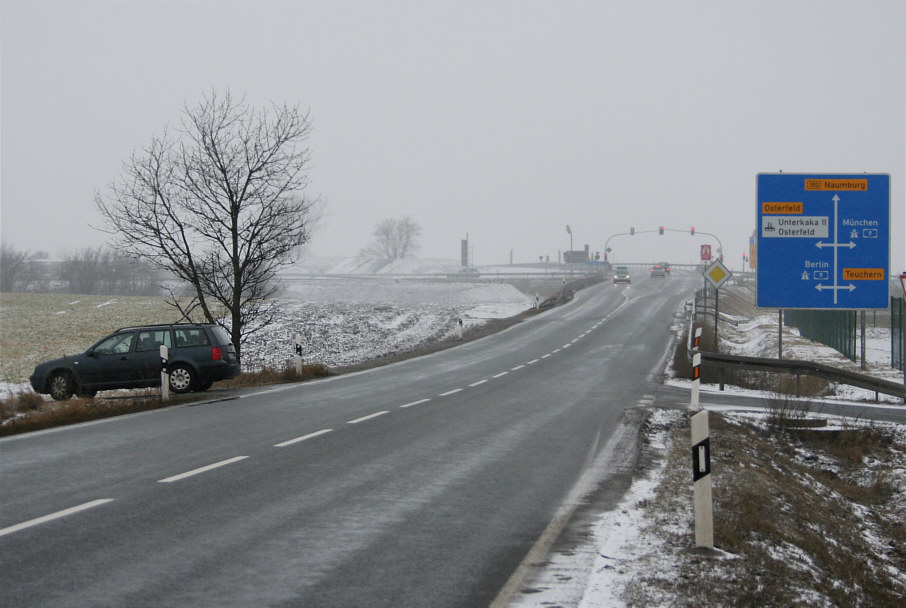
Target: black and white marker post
[(701, 481), (297, 339), (701, 459), (164, 376)]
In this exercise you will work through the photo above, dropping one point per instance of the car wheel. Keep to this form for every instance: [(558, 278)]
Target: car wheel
[(60, 385), (181, 378), (200, 386), (87, 394)]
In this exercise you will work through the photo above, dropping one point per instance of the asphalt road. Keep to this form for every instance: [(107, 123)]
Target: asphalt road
[(422, 483)]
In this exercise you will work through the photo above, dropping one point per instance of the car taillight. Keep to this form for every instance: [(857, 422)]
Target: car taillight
[(216, 353)]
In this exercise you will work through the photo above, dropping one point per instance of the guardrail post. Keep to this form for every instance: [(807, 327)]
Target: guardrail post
[(701, 481), (164, 376)]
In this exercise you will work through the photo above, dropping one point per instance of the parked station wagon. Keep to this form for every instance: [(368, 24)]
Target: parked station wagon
[(199, 354)]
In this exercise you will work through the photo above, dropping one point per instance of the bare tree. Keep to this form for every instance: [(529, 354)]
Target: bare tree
[(394, 239), (13, 267), (84, 270), (220, 205)]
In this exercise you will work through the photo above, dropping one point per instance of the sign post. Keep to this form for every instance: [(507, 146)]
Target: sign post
[(823, 241), (717, 274)]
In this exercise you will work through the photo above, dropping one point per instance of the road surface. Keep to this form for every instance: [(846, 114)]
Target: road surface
[(422, 483)]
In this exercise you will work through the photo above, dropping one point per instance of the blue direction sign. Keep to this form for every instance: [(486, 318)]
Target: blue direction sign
[(823, 241)]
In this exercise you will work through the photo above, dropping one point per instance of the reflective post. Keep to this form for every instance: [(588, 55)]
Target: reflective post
[(701, 481), (297, 339), (164, 376)]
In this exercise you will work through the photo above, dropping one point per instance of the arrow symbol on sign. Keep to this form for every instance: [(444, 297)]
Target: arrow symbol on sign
[(821, 287), (822, 245)]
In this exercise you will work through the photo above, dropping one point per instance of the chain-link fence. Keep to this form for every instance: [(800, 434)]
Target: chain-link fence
[(835, 328)]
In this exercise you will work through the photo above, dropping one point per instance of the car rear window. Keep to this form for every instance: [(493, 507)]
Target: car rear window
[(191, 336), (220, 335)]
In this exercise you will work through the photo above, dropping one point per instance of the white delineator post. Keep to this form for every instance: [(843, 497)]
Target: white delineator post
[(164, 376), (701, 481), (696, 380), (297, 339)]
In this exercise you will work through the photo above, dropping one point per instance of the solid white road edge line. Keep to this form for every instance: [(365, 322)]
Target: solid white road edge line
[(368, 417), (216, 465), (599, 469), (302, 438), (46, 518)]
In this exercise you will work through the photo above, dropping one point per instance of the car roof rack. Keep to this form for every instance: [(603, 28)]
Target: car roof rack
[(151, 325)]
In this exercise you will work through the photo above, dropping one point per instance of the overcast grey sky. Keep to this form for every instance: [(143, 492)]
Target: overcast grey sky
[(503, 120)]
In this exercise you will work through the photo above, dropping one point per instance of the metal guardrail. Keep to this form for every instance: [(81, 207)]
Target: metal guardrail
[(806, 368), (791, 366)]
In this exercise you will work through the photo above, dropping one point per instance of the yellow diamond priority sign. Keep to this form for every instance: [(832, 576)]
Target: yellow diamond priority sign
[(717, 274)]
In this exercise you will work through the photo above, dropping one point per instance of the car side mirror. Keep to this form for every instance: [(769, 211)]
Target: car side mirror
[(91, 353)]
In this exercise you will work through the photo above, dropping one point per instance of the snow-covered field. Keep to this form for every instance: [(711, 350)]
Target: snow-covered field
[(346, 321), (343, 320)]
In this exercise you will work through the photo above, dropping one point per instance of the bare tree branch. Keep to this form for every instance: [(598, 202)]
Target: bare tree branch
[(221, 205)]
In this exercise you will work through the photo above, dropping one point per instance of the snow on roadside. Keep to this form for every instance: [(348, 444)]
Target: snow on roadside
[(625, 550), (571, 578), (343, 322)]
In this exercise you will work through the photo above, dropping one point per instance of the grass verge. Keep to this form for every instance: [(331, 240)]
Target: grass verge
[(28, 412), (806, 518)]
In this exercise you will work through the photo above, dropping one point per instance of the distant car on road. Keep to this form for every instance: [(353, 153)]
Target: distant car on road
[(665, 266), (658, 270), (621, 275), (199, 354)]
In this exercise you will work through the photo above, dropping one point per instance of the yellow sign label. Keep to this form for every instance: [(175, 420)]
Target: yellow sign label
[(836, 184), (863, 274), (787, 208)]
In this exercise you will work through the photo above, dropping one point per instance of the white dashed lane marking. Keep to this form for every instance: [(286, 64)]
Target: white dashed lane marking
[(204, 469), (303, 438), (59, 514), (368, 417)]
